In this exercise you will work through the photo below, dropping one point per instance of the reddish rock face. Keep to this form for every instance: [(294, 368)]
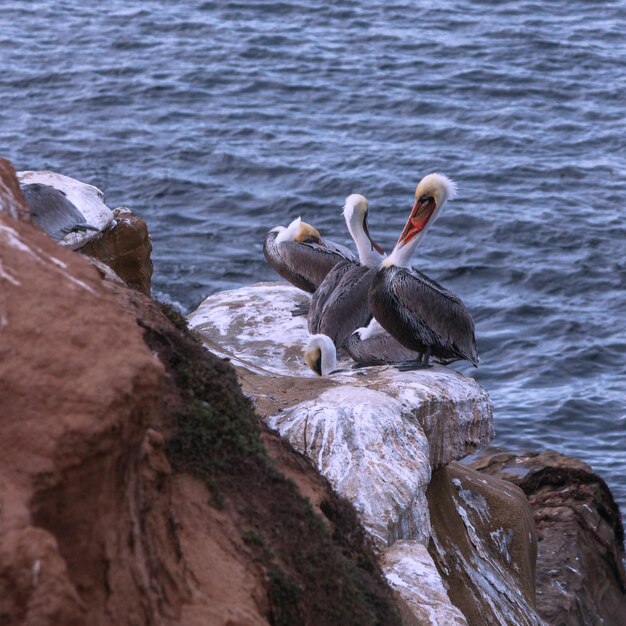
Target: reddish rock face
[(580, 568), (12, 201), (125, 247), (77, 384), (96, 527)]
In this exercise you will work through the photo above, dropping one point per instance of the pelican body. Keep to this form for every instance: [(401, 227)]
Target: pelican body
[(414, 309), (53, 212), (422, 315), (339, 306), (300, 255), (373, 345)]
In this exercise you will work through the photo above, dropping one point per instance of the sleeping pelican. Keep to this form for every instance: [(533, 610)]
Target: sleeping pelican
[(413, 308), (300, 255), (370, 345), (373, 345), (339, 305), (53, 212), (320, 355)]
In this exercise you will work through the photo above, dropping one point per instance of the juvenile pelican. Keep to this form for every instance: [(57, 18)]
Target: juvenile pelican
[(417, 311), (339, 305)]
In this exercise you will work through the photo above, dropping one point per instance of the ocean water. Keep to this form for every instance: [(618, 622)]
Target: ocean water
[(216, 121)]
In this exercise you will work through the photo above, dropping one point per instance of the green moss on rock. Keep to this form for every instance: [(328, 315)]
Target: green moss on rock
[(314, 577)]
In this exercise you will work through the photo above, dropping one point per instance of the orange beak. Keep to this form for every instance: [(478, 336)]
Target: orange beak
[(420, 214)]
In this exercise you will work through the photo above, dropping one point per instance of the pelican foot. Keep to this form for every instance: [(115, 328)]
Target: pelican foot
[(408, 366), (300, 309)]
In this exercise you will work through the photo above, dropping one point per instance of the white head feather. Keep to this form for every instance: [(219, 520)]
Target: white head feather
[(320, 354), (355, 212), (441, 189)]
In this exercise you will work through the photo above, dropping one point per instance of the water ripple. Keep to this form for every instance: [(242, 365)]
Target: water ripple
[(219, 120)]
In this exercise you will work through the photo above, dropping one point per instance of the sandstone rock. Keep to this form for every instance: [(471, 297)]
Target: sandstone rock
[(125, 246), (580, 567), (411, 572), (373, 452), (77, 382), (96, 526), (89, 200), (12, 201), (253, 326), (375, 433), (484, 545)]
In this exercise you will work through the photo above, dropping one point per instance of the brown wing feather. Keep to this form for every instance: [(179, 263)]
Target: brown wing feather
[(438, 308)]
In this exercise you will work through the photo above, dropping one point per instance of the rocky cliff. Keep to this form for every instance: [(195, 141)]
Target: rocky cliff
[(140, 486), (137, 487)]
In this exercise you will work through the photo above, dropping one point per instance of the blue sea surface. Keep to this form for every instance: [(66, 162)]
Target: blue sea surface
[(217, 120)]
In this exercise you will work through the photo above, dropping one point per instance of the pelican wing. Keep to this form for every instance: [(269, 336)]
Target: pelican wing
[(347, 309), (323, 293), (311, 260), (435, 312), (52, 211), (378, 349), (346, 253), (303, 264)]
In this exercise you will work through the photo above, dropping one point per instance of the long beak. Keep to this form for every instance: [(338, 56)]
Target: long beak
[(374, 245), (418, 218)]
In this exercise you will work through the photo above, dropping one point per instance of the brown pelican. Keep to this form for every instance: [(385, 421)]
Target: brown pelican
[(53, 212), (370, 345), (300, 255), (339, 305), (413, 308), (320, 355), (373, 345)]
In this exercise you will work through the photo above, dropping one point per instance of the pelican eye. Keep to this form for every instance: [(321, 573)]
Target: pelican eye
[(426, 198)]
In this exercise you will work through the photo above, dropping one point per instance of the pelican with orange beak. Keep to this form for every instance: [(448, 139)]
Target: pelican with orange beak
[(414, 309)]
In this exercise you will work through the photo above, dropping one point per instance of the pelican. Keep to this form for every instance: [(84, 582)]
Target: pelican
[(369, 345), (373, 345), (339, 305), (320, 355), (53, 212), (414, 309), (301, 256)]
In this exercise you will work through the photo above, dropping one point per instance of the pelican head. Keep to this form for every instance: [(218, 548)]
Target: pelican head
[(431, 195), (296, 231), (320, 354), (355, 213)]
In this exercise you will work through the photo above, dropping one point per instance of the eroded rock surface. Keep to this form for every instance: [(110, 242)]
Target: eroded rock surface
[(12, 201), (101, 523), (411, 572), (580, 567), (125, 246), (484, 544), (76, 382), (375, 433)]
